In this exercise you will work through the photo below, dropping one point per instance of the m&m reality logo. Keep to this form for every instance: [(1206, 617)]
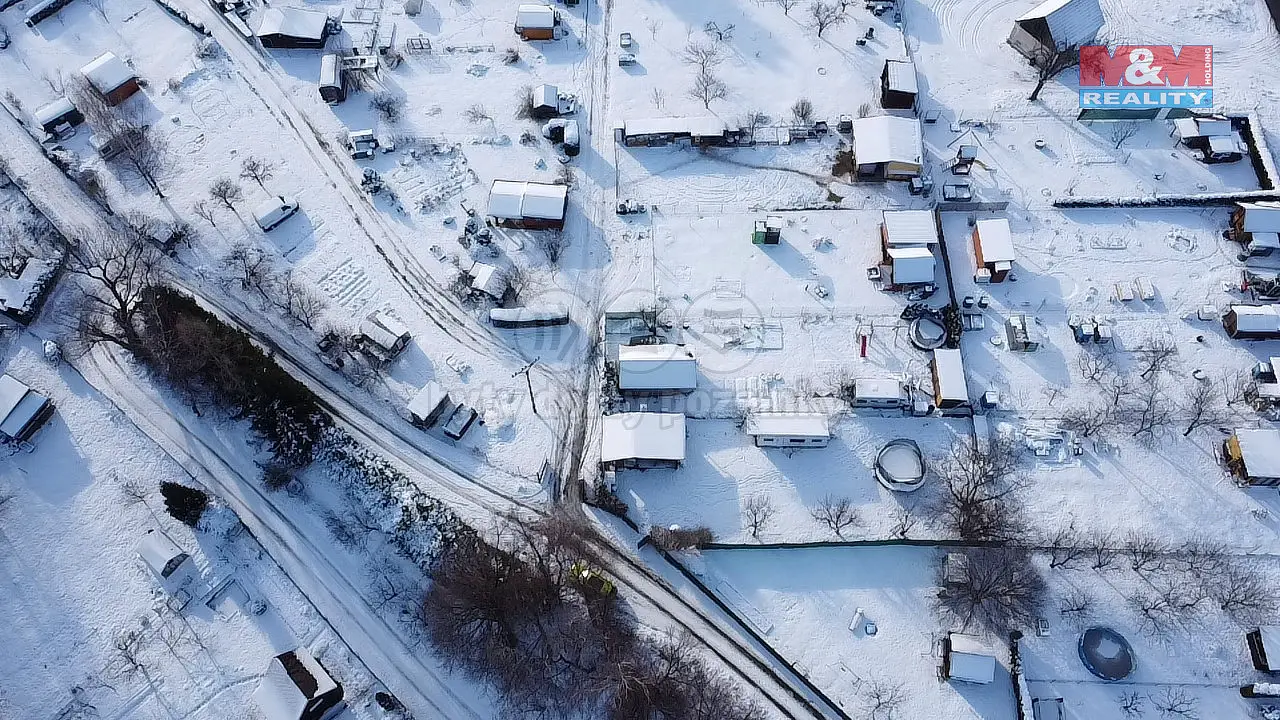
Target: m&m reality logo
[(1146, 76)]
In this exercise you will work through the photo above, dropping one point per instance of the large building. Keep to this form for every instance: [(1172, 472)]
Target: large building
[(529, 205), (1056, 24), (887, 147), (642, 440)]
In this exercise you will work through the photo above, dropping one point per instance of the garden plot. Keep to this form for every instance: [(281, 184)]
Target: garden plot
[(724, 470)]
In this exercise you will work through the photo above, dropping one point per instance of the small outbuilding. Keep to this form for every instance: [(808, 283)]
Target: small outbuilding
[(111, 78), (488, 280), (907, 238), (993, 247), (386, 332), (333, 79), (57, 117), (950, 390), (545, 102), (297, 687), (1253, 456), (22, 410), (1257, 225), (532, 316), (1056, 24), (1264, 648), (767, 231), (789, 429), (642, 440), (22, 296), (887, 147), (528, 205), (536, 22), (1253, 322), (161, 554), (879, 394), (291, 27), (429, 404), (1022, 333), (701, 131), (649, 369), (898, 85), (966, 658)]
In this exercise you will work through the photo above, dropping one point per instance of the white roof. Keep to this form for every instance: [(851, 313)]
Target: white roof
[(1261, 217), (642, 435), (703, 126), (516, 200), (529, 313), (910, 227), (877, 388), (950, 370), (1265, 239), (107, 72), (535, 16), (1071, 22), (1225, 143), (17, 293), (996, 240), (278, 694), (547, 95), (383, 329), (656, 367), (18, 405), (912, 265), (54, 110), (887, 138), (1271, 645), (12, 390), (787, 424), (156, 549), (1260, 450), (902, 75), (488, 280), (1257, 318), (970, 659), (293, 22), (426, 400)]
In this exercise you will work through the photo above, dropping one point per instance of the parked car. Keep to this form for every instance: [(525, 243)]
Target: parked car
[(624, 40), (274, 211), (626, 59)]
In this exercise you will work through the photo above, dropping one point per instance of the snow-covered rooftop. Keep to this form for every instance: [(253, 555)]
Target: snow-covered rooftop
[(887, 138), (877, 389), (515, 200), (156, 549), (912, 265), (910, 227), (789, 424), (52, 111), (384, 329), (18, 293), (701, 126), (1257, 318), (18, 405), (488, 279), (996, 240), (293, 22), (280, 694), (949, 368), (107, 73), (1271, 645), (642, 436), (970, 659), (1261, 217), (656, 367), (1071, 22), (902, 75), (1260, 450), (536, 16), (427, 400)]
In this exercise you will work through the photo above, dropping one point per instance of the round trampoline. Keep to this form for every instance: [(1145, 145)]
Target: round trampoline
[(900, 466), (927, 333), (1106, 653)]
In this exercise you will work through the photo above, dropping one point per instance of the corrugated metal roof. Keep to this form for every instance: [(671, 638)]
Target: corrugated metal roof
[(902, 76), (1071, 22), (656, 367), (910, 227), (887, 138), (784, 424)]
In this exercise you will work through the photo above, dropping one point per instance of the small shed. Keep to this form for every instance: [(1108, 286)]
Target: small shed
[(111, 78), (546, 102), (949, 387), (1022, 333), (642, 440), (536, 22), (22, 410), (966, 658), (459, 422), (1196, 131), (21, 296), (1257, 225), (993, 247), (488, 279), (297, 687), (429, 404), (907, 238), (333, 80), (1253, 456), (386, 332), (911, 265), (789, 429), (57, 116), (887, 147), (898, 86), (528, 205), (1056, 24), (292, 27), (879, 393), (1253, 322), (700, 131), (1264, 648), (767, 231), (651, 369), (161, 554)]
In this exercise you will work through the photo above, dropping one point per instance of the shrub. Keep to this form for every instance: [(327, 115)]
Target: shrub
[(185, 504), (681, 538), (389, 106)]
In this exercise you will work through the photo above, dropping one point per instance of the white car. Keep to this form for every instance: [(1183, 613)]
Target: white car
[(274, 211), (626, 59), (624, 40)]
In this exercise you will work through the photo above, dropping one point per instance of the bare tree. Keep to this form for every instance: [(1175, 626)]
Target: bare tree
[(1147, 553), (250, 268), (1077, 605), (1202, 557), (825, 15), (1066, 547), (978, 484), (1156, 354), (128, 653), (119, 267), (837, 514), (1236, 387), (1148, 412), (654, 26), (905, 520), (1091, 419), (257, 170), (881, 697), (787, 5), (1243, 593), (133, 491), (226, 191), (1174, 701), (91, 183), (708, 88), (757, 513), (1132, 704), (204, 210), (1048, 62), (553, 244), (297, 300), (657, 97), (1203, 406), (99, 6), (1121, 131), (1000, 590), (1159, 614), (388, 105), (143, 151), (1103, 550), (1095, 366), (802, 111), (702, 55)]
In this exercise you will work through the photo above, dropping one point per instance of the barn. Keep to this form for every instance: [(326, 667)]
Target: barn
[(528, 205), (111, 78), (1056, 24)]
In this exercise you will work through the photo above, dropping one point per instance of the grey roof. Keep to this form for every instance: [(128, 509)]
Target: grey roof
[(656, 367), (642, 436), (902, 76), (1071, 22)]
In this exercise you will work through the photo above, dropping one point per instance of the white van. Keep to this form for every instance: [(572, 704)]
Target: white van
[(274, 211)]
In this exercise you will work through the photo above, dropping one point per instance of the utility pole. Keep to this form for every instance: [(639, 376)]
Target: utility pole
[(529, 382)]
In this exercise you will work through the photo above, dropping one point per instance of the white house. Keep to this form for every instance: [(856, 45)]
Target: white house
[(111, 78), (789, 429), (656, 369), (642, 440), (488, 279), (297, 687), (428, 404), (22, 410), (993, 248), (161, 554), (1056, 24), (968, 659), (888, 147), (879, 393), (529, 205), (907, 238), (949, 387)]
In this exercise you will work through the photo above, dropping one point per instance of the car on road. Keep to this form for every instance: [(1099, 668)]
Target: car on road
[(274, 211)]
